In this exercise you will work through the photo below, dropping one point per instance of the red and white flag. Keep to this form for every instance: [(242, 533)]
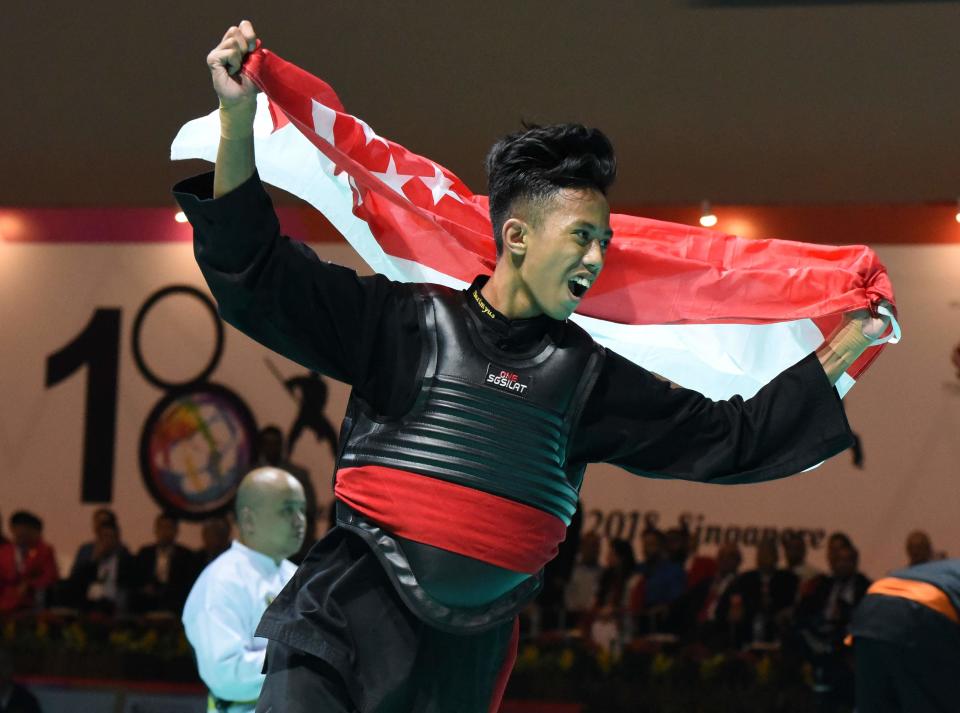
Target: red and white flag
[(712, 312)]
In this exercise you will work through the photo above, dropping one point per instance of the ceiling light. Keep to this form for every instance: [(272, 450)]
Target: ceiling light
[(708, 218)]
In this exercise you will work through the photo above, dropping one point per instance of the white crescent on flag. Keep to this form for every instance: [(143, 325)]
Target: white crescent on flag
[(709, 311)]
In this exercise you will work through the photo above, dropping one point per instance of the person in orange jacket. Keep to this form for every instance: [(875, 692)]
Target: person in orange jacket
[(906, 638)]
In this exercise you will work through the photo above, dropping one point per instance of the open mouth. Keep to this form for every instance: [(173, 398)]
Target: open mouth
[(578, 286)]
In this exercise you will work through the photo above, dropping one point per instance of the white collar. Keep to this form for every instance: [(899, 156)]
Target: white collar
[(262, 562)]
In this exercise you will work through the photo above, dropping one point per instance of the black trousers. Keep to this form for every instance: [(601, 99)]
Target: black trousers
[(342, 641), (907, 658)]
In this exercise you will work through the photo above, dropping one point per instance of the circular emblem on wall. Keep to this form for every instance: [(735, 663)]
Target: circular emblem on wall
[(196, 445)]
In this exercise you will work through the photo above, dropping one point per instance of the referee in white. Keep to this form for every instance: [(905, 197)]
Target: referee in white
[(231, 594)]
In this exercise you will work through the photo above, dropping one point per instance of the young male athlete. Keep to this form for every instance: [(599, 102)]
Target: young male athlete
[(472, 417)]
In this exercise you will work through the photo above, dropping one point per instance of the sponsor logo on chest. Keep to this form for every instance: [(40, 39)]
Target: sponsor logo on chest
[(507, 380)]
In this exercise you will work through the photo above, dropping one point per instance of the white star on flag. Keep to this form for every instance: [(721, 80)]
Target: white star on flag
[(720, 339), (369, 134), (439, 185), (394, 181)]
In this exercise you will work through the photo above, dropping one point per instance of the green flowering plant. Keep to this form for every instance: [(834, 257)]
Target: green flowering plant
[(97, 646), (650, 677)]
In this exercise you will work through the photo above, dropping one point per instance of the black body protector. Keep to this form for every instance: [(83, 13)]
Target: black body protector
[(483, 419)]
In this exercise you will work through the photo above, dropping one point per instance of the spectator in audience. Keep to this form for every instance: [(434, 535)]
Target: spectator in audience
[(827, 607), (556, 575), (231, 594), (14, 698), (761, 598), (215, 533), (584, 580), (795, 553), (681, 547), (838, 539), (676, 545), (706, 605), (270, 452), (28, 566), (822, 622), (165, 570), (700, 567), (919, 548), (3, 540), (85, 551), (101, 581), (609, 618), (662, 581), (617, 570)]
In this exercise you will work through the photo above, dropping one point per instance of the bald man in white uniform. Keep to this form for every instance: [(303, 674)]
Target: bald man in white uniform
[(231, 594)]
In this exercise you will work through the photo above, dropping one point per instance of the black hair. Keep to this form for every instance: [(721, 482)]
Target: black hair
[(108, 514), (842, 537), (109, 525), (28, 519), (271, 430), (535, 163), (624, 552), (169, 516), (659, 534)]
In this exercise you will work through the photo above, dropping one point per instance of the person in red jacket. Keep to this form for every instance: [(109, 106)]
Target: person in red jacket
[(27, 564)]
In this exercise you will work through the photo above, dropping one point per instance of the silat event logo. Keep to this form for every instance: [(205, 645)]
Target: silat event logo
[(505, 380)]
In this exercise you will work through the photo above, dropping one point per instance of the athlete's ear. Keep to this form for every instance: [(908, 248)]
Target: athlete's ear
[(514, 235)]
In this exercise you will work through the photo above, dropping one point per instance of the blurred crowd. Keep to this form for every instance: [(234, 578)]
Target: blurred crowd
[(596, 586), (105, 576), (599, 591), (602, 589)]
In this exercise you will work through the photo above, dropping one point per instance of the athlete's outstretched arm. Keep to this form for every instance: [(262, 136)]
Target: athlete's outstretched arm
[(651, 427), (238, 106), (842, 348)]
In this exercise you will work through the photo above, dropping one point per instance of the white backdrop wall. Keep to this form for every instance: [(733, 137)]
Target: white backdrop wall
[(907, 410)]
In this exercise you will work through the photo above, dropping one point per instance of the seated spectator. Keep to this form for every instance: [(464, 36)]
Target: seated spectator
[(837, 539), (215, 533), (661, 582), (700, 567), (165, 570), (85, 551), (761, 598), (607, 620), (28, 566), (823, 620), (795, 553), (830, 602), (681, 546), (705, 606), (14, 698), (550, 602), (101, 580), (581, 590), (919, 548)]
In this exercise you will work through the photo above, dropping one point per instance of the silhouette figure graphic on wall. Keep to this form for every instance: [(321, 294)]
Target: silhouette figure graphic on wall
[(312, 399)]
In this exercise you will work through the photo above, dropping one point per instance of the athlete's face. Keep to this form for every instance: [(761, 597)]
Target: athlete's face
[(567, 239)]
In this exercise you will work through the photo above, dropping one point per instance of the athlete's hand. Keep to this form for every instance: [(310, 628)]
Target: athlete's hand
[(870, 326), (234, 89)]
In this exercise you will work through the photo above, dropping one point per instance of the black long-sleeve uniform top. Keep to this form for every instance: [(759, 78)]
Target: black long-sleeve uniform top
[(364, 331)]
